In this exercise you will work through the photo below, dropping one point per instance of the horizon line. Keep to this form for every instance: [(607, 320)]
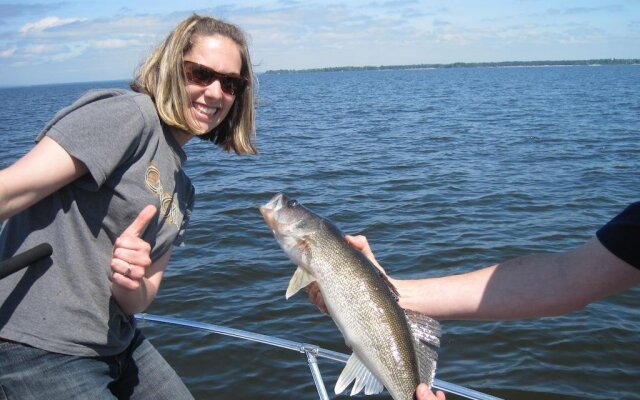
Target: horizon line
[(540, 63)]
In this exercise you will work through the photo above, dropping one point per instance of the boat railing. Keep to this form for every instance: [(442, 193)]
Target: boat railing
[(311, 351)]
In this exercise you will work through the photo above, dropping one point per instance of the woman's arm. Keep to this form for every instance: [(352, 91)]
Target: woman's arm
[(47, 168), (40, 172)]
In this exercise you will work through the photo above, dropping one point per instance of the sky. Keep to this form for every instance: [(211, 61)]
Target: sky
[(44, 41)]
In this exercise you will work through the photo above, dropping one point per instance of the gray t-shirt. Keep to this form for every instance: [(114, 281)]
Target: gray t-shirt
[(64, 304)]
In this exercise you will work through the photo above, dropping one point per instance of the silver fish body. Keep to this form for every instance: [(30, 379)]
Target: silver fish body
[(392, 347)]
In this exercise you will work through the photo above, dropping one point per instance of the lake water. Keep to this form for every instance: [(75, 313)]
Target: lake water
[(445, 171)]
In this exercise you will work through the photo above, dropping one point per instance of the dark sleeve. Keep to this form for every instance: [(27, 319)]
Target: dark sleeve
[(621, 235)]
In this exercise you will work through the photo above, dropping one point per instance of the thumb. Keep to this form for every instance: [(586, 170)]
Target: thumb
[(360, 243), (423, 393), (138, 225)]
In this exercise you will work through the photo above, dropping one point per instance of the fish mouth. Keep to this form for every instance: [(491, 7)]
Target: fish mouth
[(270, 209)]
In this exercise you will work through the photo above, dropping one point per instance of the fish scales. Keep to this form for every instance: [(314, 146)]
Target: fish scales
[(377, 328), (360, 301)]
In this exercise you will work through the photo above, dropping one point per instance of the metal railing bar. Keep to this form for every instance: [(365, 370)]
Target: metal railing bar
[(312, 351)]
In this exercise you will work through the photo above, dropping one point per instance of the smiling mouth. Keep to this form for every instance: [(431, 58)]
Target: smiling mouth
[(208, 111)]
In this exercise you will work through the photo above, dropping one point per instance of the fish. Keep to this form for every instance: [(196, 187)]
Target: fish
[(393, 348)]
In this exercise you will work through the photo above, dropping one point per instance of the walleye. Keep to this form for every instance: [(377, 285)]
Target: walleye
[(392, 348)]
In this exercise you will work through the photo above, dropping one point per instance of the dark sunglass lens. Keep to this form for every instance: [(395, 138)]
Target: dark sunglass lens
[(230, 84), (201, 76)]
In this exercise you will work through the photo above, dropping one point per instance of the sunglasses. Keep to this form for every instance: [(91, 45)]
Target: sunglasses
[(205, 76)]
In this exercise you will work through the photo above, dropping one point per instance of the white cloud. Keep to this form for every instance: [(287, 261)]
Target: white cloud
[(7, 53), (46, 23), (41, 49), (115, 43)]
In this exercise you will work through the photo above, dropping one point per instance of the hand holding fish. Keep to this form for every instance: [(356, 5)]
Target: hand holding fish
[(423, 393), (359, 243)]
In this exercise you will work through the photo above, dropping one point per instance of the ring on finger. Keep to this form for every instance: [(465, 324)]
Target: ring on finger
[(128, 271)]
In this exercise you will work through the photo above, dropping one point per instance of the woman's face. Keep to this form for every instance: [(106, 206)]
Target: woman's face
[(210, 104)]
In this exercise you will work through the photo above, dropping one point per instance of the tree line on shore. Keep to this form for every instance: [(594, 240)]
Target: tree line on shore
[(603, 61)]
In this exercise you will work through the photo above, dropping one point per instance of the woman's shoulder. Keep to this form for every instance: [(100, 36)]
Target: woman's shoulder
[(116, 103), (106, 99), (97, 109), (116, 96)]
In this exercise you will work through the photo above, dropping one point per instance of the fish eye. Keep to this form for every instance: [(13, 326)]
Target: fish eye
[(292, 203)]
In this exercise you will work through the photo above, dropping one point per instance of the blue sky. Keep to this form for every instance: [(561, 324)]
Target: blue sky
[(43, 41)]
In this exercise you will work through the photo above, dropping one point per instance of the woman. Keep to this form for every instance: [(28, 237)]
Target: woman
[(105, 186)]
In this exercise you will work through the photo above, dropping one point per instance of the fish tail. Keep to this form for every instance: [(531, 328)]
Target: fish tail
[(426, 338)]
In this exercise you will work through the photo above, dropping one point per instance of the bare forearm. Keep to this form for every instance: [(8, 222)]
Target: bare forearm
[(498, 292), (133, 300), (524, 287), (5, 210), (13, 198)]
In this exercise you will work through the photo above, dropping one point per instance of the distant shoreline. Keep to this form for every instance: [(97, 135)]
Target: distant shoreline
[(548, 63), (561, 63)]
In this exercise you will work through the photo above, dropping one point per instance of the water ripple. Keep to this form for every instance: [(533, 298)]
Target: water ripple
[(460, 169)]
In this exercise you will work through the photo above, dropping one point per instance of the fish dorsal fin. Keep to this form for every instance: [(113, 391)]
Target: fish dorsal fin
[(394, 291), (356, 370), (382, 275), (299, 280), (426, 339)]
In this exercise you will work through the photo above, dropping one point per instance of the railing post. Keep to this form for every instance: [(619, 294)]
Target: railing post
[(312, 361)]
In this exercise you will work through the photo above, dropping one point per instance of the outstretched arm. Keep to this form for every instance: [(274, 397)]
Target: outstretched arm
[(525, 287)]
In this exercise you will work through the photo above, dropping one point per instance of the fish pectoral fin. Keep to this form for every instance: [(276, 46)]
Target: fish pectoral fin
[(426, 335), (364, 378), (299, 280)]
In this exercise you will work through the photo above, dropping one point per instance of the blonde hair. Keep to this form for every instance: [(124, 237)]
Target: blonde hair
[(161, 75)]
